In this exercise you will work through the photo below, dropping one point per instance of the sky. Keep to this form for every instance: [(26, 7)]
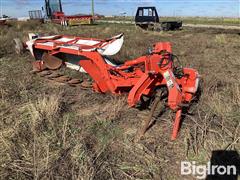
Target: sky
[(210, 8)]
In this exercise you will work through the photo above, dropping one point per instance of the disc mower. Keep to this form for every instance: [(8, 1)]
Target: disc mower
[(150, 79)]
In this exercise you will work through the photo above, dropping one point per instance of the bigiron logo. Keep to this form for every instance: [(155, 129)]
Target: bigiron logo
[(202, 171)]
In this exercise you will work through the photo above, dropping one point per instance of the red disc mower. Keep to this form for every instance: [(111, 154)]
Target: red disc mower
[(152, 76)]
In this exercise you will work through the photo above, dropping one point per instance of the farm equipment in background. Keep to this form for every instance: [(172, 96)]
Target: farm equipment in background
[(2, 22), (36, 15), (147, 18), (149, 80), (55, 13)]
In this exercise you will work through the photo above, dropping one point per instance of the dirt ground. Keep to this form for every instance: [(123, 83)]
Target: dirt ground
[(54, 131)]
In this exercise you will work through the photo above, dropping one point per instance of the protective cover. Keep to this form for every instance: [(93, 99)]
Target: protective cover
[(107, 47)]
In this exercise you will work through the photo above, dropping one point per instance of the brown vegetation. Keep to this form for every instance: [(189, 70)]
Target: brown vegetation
[(53, 131)]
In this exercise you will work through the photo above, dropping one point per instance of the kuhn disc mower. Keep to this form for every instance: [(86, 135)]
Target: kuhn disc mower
[(153, 77)]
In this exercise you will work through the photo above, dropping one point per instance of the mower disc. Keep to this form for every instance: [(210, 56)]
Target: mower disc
[(74, 81), (38, 66), (51, 62)]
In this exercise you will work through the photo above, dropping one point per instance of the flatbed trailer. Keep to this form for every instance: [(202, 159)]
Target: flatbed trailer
[(61, 18)]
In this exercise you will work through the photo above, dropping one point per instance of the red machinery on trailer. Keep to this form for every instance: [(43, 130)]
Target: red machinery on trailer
[(153, 76), (55, 12), (61, 18)]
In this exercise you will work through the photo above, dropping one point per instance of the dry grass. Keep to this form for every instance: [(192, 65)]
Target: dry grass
[(221, 39), (48, 107), (48, 131), (113, 109)]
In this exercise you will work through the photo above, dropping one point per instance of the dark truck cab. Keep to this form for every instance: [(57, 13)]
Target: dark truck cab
[(147, 18)]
